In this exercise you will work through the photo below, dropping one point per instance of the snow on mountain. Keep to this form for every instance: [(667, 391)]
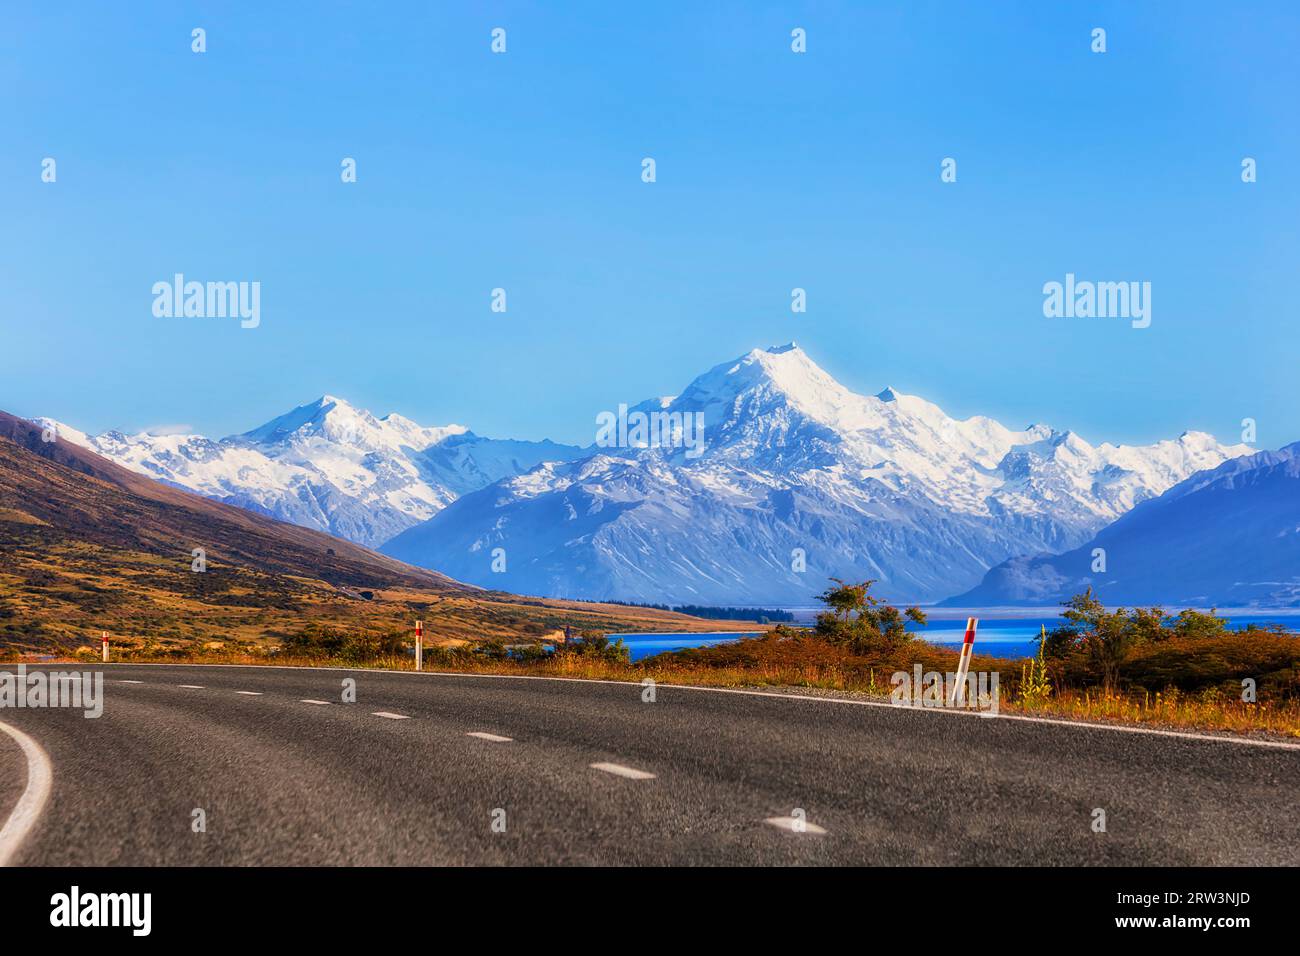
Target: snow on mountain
[(885, 486), (1228, 537), (330, 466)]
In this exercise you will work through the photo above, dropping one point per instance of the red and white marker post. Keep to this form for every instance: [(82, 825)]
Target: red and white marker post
[(419, 645), (963, 664), (104, 640)]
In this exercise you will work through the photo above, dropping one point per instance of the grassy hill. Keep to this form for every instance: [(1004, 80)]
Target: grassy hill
[(87, 546)]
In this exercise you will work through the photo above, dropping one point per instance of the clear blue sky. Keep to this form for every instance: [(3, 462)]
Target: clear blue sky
[(775, 170)]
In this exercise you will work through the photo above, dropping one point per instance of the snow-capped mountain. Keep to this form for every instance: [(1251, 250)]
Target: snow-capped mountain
[(1229, 536), (330, 466), (799, 479)]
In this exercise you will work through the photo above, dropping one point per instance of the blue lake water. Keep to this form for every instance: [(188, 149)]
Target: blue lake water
[(1015, 635), (647, 645)]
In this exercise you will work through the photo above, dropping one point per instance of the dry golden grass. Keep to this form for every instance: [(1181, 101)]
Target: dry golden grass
[(795, 665), (1170, 710), (55, 599)]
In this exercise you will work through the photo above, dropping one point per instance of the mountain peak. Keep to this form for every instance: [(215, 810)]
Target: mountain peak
[(786, 369), (311, 417), (335, 420)]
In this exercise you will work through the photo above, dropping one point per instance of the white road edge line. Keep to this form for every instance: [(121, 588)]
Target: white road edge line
[(389, 715), (1123, 728), (618, 770), (795, 825), (29, 806), (308, 700), (495, 738)]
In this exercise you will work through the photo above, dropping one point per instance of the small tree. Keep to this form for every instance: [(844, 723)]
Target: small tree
[(1194, 624), (1109, 645), (861, 621), (848, 599), (1108, 638)]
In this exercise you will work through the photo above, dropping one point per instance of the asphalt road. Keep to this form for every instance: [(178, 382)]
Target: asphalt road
[(283, 781)]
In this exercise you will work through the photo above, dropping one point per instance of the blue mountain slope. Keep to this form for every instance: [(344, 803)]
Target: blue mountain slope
[(1228, 536)]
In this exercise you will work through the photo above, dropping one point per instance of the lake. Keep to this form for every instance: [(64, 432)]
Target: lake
[(1013, 632), (647, 645)]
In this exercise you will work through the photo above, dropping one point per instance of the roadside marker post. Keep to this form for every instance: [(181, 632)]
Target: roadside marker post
[(963, 664), (419, 645), (104, 640)]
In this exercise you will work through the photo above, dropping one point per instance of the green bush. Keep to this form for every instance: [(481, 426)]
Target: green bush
[(861, 622), (594, 644)]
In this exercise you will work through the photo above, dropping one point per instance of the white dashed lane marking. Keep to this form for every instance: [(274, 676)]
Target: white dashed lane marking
[(307, 700), (125, 681), (620, 771), (191, 686), (492, 737), (249, 693), (795, 825), (389, 715)]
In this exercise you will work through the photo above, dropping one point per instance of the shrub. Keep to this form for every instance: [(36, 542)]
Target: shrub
[(862, 622), (594, 644), (313, 641), (1148, 648)]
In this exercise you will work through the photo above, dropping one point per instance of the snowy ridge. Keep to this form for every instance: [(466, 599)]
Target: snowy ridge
[(885, 486), (1227, 537), (328, 465)]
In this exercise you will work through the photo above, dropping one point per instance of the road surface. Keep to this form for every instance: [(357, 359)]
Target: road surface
[(416, 771)]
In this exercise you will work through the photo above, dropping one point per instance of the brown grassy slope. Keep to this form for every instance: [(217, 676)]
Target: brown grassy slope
[(86, 545), (100, 502)]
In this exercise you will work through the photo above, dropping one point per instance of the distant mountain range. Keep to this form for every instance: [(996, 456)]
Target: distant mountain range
[(799, 479), (1228, 537), (329, 466), (796, 479)]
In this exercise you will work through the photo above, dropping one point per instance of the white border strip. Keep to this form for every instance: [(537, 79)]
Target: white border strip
[(28, 809), (1121, 728)]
